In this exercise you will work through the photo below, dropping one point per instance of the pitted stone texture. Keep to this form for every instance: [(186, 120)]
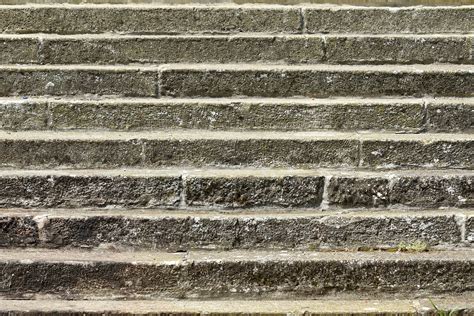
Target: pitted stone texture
[(274, 114), (315, 81), (176, 49), (84, 191), (470, 229), (19, 50), (434, 191), (413, 190), (389, 20), (400, 153), (451, 115), (23, 115), (358, 192), (232, 192), (149, 19), (232, 274), (170, 231), (38, 81), (397, 49), (70, 154), (18, 231), (252, 152)]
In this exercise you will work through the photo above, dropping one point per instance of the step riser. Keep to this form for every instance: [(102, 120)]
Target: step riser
[(221, 49), (169, 82), (232, 192), (317, 83), (136, 152), (172, 20), (220, 232), (215, 278), (452, 116)]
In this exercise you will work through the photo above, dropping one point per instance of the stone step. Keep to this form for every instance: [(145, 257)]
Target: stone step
[(204, 148), (236, 188), (419, 230), (264, 274), (245, 48), (343, 307), (227, 80), (156, 19), (404, 114)]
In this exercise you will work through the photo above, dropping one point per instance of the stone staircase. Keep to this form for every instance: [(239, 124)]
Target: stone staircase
[(232, 159)]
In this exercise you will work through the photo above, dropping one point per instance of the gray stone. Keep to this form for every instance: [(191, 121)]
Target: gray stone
[(319, 81), (397, 49), (19, 50), (185, 49), (148, 19), (230, 192), (388, 20), (451, 115), (412, 153), (238, 114), (70, 153), (34, 81), (433, 191), (89, 191), (232, 274), (23, 115), (358, 192), (217, 231), (252, 152)]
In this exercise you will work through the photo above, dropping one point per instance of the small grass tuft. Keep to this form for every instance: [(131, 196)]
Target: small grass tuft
[(441, 312), (416, 246)]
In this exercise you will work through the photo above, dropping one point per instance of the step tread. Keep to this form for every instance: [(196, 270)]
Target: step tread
[(78, 256), (231, 67), (240, 172), (236, 213), (191, 134), (288, 307)]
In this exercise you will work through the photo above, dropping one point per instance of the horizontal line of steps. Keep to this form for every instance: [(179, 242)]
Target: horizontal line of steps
[(232, 188), (146, 19), (405, 114), (409, 307), (113, 49), (227, 80), (419, 230), (263, 274), (91, 149)]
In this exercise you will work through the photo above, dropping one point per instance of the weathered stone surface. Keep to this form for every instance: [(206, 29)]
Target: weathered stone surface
[(418, 153), (232, 274), (16, 114), (254, 152), (76, 80), (433, 191), (148, 19), (70, 153), (358, 192), (315, 81), (175, 49), (389, 20), (451, 115), (18, 231), (231, 192), (93, 191), (18, 50), (410, 190), (171, 231), (397, 49), (470, 229), (275, 114)]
